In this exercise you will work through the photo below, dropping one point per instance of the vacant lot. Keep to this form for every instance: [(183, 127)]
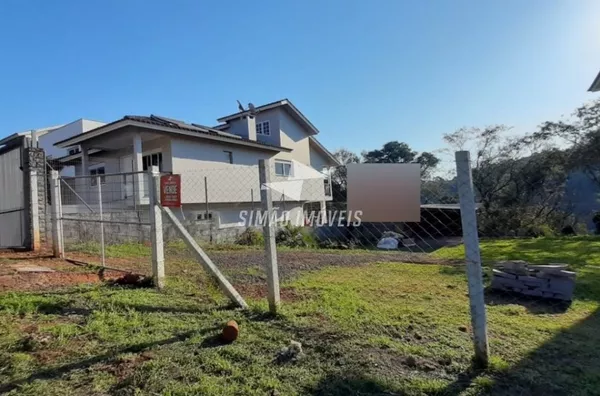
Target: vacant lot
[(368, 323)]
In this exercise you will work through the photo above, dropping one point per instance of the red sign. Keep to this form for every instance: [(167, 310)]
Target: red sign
[(170, 191)]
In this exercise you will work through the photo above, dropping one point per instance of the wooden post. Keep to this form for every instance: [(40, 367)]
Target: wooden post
[(156, 228), (474, 272), (264, 167), (57, 236)]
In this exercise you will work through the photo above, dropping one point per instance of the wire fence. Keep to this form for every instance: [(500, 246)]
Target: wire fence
[(238, 215)]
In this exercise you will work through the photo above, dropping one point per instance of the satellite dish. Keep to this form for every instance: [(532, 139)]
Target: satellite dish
[(240, 106), (252, 109)]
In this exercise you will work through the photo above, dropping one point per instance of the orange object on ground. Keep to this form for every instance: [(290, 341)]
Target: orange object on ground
[(230, 331)]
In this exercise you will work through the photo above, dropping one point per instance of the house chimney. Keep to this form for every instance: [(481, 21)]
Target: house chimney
[(251, 125)]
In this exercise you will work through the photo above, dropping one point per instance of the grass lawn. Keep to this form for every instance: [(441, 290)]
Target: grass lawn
[(383, 328)]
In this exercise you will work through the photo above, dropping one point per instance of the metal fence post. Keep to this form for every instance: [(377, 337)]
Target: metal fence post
[(57, 244), (35, 212), (471, 241), (102, 247), (156, 232), (264, 167)]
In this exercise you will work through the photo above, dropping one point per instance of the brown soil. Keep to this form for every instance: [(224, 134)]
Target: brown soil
[(291, 263), (65, 273)]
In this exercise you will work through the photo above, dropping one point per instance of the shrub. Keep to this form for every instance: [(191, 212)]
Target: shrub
[(295, 236), (250, 237)]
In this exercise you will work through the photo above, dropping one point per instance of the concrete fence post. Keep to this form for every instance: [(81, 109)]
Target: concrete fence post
[(468, 216), (264, 167), (35, 211), (57, 236), (156, 228), (100, 212)]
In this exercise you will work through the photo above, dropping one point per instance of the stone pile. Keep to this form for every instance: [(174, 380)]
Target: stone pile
[(551, 281)]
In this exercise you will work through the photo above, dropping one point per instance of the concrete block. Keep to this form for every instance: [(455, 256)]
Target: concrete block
[(502, 274)]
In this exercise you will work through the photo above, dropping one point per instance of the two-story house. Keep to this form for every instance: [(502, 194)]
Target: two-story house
[(217, 164)]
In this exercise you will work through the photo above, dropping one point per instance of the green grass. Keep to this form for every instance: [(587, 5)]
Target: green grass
[(379, 329)]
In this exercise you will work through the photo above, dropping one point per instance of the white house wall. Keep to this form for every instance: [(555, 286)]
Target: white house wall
[(47, 140), (318, 160), (293, 136), (240, 127)]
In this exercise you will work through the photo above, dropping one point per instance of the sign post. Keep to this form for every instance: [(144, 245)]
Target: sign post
[(170, 191)]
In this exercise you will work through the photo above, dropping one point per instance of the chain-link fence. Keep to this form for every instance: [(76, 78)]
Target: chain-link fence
[(280, 217)]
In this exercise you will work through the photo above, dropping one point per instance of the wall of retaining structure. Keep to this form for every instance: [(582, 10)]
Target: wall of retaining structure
[(82, 228)]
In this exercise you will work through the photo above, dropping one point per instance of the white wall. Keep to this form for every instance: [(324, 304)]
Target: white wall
[(318, 160), (293, 136), (239, 127), (47, 140)]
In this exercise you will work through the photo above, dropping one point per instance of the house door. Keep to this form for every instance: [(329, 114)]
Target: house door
[(126, 165)]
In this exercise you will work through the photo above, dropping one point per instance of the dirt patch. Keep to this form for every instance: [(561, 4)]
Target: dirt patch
[(259, 291), (291, 263), (64, 272), (125, 366), (52, 280)]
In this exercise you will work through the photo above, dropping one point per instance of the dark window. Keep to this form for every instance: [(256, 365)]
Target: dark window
[(96, 172), (228, 156), (263, 128), (152, 160)]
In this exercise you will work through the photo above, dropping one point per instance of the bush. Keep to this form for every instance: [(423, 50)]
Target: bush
[(250, 237), (568, 230), (295, 236)]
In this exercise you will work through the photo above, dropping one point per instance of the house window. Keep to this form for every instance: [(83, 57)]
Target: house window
[(204, 216), (263, 128), (151, 160), (73, 150), (283, 168), (228, 156), (95, 172)]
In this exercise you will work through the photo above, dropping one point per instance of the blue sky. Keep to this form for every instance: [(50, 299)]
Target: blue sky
[(365, 72)]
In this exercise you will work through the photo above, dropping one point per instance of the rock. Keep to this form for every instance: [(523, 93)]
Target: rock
[(230, 331), (292, 352), (428, 367)]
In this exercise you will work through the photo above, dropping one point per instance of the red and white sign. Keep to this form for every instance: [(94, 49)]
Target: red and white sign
[(170, 191)]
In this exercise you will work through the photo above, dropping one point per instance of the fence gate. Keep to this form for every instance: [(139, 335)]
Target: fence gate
[(13, 229)]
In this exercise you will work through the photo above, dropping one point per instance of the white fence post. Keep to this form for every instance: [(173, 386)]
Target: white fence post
[(35, 212), (158, 254), (264, 167), (471, 241), (57, 243), (102, 247)]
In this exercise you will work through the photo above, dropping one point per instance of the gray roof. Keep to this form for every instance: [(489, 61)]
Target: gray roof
[(176, 124)]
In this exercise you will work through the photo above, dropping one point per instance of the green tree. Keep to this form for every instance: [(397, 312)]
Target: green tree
[(401, 153)]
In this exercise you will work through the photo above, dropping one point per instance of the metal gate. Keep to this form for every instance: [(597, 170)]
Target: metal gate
[(13, 230)]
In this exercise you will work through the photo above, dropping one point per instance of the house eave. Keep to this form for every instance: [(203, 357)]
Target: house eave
[(126, 122), (289, 106)]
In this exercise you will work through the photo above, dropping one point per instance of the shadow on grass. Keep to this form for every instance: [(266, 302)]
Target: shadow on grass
[(174, 310), (104, 358), (534, 305), (569, 363), (345, 384)]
